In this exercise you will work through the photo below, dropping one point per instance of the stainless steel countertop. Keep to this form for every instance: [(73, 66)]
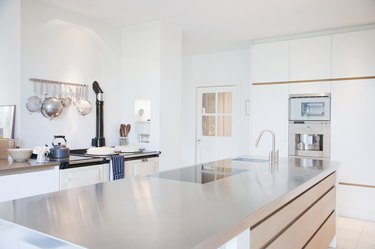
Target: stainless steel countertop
[(148, 212)]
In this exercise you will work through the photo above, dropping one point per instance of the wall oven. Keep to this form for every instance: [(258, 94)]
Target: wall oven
[(309, 125)]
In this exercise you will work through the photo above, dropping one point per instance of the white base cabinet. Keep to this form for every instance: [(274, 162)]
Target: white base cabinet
[(83, 176), (356, 202), (141, 167), (29, 184)]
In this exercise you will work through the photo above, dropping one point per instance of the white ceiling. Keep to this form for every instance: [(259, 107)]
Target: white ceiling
[(219, 25)]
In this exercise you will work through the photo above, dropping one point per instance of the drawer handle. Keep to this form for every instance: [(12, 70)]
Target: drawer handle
[(145, 160)]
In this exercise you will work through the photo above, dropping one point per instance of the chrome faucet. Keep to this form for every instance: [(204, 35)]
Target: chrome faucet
[(274, 154)]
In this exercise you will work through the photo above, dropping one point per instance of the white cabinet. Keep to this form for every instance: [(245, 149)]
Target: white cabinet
[(270, 62), (270, 111), (141, 167), (82, 176), (39, 182), (353, 54), (310, 58), (28, 184), (352, 126), (310, 88), (8, 187), (353, 136)]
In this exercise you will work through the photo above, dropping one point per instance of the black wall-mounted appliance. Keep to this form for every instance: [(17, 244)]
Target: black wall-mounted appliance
[(99, 140)]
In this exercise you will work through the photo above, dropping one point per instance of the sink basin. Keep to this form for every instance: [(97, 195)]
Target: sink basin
[(247, 159)]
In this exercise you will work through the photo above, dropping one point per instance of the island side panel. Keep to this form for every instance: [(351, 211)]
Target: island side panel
[(270, 230)]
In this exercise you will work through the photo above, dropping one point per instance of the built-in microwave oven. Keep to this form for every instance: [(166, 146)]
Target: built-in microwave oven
[(310, 107)]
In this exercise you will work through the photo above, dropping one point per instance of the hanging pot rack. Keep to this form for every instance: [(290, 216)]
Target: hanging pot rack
[(54, 82)]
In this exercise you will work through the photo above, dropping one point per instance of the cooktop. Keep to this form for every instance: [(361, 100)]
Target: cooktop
[(202, 173)]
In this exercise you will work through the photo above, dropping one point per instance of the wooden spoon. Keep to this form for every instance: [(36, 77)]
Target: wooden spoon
[(128, 127), (122, 130)]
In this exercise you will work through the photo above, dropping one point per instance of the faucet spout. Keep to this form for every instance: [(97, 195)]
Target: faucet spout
[(274, 155)]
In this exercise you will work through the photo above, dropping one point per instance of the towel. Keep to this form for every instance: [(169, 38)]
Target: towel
[(118, 171)]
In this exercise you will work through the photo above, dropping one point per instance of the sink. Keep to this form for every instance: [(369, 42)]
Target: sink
[(248, 159)]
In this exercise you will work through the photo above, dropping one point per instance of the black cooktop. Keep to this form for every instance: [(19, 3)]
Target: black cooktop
[(202, 173), (78, 158)]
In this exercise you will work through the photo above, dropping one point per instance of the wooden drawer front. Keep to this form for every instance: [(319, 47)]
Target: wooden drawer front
[(271, 227), (304, 228), (325, 234)]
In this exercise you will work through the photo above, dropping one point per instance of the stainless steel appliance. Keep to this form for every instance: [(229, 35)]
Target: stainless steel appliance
[(315, 107), (309, 125)]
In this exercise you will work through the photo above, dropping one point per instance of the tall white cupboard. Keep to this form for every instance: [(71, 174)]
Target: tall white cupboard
[(342, 63)]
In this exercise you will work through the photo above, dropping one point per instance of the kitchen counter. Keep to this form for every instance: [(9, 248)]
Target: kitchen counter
[(11, 167), (152, 212)]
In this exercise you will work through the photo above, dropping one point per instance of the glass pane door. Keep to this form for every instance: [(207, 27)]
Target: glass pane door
[(217, 114)]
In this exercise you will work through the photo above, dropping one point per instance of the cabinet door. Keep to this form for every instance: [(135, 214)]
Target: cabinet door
[(270, 62), (104, 171), (28, 184), (38, 182), (310, 88), (270, 111), (129, 168), (310, 58), (352, 131), (146, 166), (8, 187), (143, 167), (82, 176), (353, 54)]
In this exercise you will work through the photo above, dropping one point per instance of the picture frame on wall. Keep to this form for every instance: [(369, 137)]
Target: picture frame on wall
[(7, 120)]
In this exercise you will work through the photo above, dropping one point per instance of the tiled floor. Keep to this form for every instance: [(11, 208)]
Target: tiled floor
[(355, 234)]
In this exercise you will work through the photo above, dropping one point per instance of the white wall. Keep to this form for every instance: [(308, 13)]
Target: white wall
[(141, 75), (213, 70), (60, 45), (10, 63), (151, 66), (170, 96)]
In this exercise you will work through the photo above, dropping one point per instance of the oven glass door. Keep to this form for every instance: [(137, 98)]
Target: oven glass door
[(310, 109)]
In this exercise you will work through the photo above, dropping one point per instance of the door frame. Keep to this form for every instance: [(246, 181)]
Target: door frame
[(235, 84)]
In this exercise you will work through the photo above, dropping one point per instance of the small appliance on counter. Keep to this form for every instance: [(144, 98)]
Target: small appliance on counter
[(59, 149)]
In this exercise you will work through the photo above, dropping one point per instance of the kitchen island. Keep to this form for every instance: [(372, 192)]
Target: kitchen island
[(155, 212)]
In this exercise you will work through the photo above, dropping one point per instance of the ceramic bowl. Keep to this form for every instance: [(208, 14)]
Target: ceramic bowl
[(20, 155)]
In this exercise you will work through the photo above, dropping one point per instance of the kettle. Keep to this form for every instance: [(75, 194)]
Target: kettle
[(59, 151)]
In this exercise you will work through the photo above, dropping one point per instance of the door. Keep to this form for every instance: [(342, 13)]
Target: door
[(218, 127)]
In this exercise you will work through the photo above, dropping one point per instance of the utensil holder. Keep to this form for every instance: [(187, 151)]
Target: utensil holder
[(124, 140)]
